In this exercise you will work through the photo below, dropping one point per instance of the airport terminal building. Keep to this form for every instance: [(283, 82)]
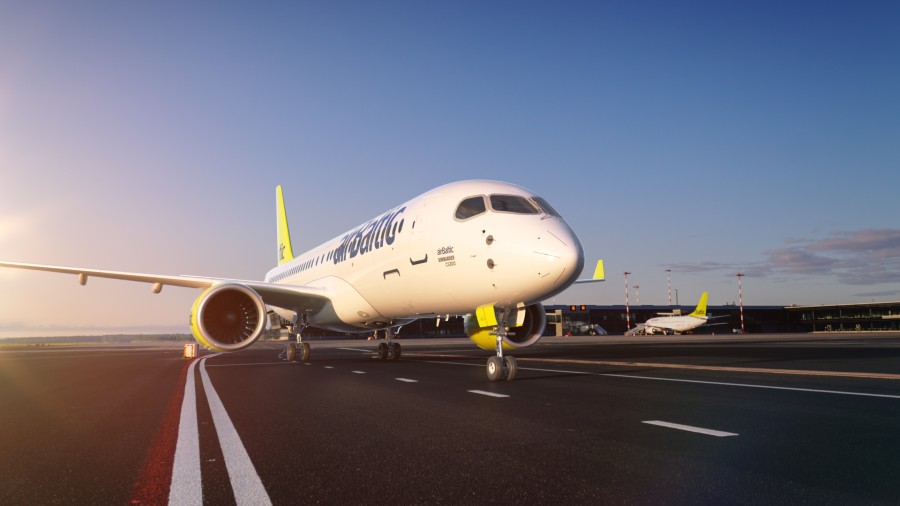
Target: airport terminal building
[(870, 316), (863, 317)]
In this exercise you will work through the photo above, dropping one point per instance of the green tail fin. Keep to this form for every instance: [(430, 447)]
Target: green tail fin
[(285, 253), (700, 312)]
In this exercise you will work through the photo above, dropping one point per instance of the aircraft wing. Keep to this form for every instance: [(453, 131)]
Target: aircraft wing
[(285, 296), (84, 274)]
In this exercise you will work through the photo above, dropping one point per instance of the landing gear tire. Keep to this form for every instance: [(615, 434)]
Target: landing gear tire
[(382, 351), (511, 367), (291, 352), (494, 368), (304, 352), (395, 351)]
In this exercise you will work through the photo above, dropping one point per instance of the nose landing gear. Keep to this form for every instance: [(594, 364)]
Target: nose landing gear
[(501, 367)]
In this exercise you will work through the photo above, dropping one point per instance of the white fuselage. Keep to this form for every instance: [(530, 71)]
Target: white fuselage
[(420, 259), (672, 324)]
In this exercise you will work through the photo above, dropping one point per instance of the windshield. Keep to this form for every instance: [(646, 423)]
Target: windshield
[(546, 207), (513, 204), (470, 207)]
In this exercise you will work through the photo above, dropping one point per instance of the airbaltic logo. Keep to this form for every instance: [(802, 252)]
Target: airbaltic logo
[(447, 259), (382, 231)]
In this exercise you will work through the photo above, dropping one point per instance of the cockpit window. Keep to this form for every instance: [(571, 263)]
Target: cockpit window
[(513, 204), (547, 208), (470, 207)]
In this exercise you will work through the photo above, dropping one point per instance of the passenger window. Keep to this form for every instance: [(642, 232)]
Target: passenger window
[(470, 207), (547, 208), (513, 204)]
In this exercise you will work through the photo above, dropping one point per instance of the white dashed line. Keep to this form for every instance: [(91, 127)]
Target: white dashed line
[(407, 380), (358, 372), (688, 428), (329, 367), (489, 394)]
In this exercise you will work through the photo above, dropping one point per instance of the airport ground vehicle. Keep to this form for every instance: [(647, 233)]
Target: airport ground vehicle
[(581, 328)]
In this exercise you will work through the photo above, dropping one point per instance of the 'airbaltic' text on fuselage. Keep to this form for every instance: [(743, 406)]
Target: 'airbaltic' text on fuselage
[(381, 231)]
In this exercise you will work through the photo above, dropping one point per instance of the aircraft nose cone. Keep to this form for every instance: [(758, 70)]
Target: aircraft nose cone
[(563, 251)]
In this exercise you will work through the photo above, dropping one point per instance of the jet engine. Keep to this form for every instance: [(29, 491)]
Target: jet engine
[(228, 317), (525, 334)]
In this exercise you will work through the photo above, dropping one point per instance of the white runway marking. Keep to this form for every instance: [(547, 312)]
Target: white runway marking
[(358, 372), (245, 482), (407, 380), (357, 349), (688, 428), (489, 394), (747, 385), (283, 362), (186, 487), (740, 385), (329, 367)]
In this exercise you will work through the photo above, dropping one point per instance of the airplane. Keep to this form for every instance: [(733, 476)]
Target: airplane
[(488, 250), (678, 324)]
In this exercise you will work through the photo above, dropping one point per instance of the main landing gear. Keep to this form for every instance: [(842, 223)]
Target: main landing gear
[(299, 349), (389, 349), (501, 367)]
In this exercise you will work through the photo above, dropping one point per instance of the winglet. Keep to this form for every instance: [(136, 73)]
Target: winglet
[(599, 274), (285, 253), (700, 311)]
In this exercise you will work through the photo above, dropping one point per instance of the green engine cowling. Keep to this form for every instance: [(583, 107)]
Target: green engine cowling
[(525, 334)]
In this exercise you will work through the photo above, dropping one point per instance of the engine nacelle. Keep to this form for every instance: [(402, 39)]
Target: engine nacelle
[(528, 333), (228, 317)]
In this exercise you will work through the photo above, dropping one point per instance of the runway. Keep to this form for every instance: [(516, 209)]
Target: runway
[(680, 420)]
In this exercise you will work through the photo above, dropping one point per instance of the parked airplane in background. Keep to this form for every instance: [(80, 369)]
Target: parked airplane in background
[(486, 249), (678, 324)]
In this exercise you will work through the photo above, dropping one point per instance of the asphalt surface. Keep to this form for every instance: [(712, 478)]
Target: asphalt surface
[(751, 420)]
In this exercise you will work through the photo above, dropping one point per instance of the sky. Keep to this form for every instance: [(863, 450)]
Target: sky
[(707, 138)]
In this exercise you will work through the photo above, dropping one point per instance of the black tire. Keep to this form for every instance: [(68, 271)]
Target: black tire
[(494, 369), (593, 332), (291, 352), (511, 367), (395, 351), (304, 352), (382, 351)]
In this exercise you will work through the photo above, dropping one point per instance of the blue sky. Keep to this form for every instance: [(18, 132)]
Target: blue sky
[(703, 137)]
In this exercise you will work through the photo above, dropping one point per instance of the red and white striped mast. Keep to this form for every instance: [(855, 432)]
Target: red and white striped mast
[(627, 317), (669, 284), (741, 299)]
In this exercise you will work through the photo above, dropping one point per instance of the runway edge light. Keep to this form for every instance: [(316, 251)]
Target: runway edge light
[(190, 350)]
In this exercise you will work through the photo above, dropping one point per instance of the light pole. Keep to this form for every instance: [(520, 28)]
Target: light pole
[(741, 299), (669, 284), (627, 316), (637, 295)]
